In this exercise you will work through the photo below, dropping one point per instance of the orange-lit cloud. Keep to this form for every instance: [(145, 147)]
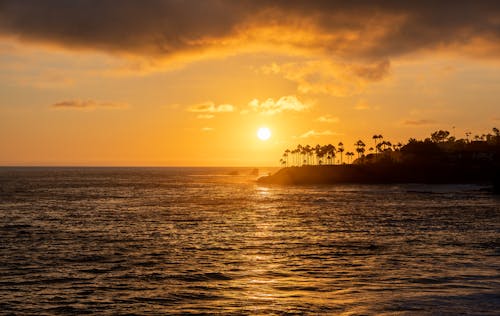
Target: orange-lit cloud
[(420, 122), (328, 119), (87, 105), (210, 107), (327, 77), (369, 30), (283, 104), (313, 133)]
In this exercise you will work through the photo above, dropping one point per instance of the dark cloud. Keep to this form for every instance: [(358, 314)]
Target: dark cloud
[(372, 72), (87, 104), (153, 27), (356, 29), (418, 122)]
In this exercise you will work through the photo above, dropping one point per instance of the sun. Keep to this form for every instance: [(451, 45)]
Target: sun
[(263, 133)]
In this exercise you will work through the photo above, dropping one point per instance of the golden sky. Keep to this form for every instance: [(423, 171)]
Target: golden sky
[(181, 83)]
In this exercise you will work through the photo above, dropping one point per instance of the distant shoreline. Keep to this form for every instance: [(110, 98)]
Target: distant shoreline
[(374, 174)]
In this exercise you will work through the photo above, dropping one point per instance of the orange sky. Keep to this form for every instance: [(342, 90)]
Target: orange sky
[(178, 83)]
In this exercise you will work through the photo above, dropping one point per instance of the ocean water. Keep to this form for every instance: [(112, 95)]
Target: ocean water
[(156, 241)]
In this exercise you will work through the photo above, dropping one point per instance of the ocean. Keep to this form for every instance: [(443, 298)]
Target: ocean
[(163, 241)]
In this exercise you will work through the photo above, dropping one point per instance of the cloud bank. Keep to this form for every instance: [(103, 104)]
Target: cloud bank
[(327, 77), (367, 30)]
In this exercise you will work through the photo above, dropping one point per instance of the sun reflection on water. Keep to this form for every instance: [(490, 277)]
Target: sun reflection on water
[(230, 247)]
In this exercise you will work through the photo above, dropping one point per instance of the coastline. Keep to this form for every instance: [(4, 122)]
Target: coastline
[(378, 174)]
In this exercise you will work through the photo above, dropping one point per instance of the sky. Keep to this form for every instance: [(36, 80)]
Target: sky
[(189, 83)]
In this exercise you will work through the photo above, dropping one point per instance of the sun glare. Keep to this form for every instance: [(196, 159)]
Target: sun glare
[(264, 133)]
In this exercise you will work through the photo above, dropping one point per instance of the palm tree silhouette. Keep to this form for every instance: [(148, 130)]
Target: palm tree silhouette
[(360, 148), (307, 153), (330, 151), (349, 155), (384, 146), (442, 142), (375, 138), (380, 137), (340, 149)]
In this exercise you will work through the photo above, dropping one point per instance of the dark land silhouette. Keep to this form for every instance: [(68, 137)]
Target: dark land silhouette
[(439, 159)]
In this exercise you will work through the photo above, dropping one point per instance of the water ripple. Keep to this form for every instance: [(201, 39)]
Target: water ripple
[(194, 241)]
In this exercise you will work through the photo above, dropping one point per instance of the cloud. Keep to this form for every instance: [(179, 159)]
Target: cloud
[(87, 105), (285, 103), (367, 30), (328, 77), (418, 122), (313, 133), (210, 107), (328, 119)]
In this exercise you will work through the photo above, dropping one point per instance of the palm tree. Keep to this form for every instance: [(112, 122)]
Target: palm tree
[(310, 155), (307, 152), (330, 151), (283, 160), (299, 154), (384, 146), (293, 152), (318, 152), (360, 148), (349, 154), (340, 149), (375, 138)]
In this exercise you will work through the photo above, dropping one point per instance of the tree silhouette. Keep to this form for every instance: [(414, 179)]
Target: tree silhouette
[(439, 136), (384, 146), (330, 151), (360, 148), (340, 149), (439, 147), (318, 152), (349, 155), (375, 138)]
